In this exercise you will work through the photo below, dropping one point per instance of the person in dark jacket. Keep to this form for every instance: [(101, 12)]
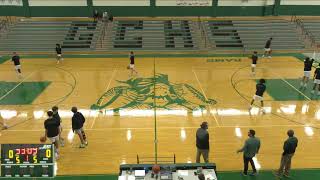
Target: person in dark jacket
[(289, 148), (202, 142), (56, 116), (77, 126)]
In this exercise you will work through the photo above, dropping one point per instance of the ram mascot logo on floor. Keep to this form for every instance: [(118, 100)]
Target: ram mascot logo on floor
[(139, 93)]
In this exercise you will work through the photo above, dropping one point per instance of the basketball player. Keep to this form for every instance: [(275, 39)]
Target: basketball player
[(51, 126), (131, 66), (267, 48), (307, 71), (77, 126), (16, 62), (260, 89), (316, 81), (59, 53), (254, 62), (56, 116)]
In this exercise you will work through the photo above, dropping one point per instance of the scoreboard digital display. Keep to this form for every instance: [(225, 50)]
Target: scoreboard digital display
[(27, 160)]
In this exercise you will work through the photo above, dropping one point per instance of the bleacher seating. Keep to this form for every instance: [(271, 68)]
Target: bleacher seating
[(252, 34), (153, 35), (255, 33), (29, 35), (313, 26)]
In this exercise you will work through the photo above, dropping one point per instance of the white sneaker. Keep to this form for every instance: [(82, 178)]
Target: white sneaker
[(269, 57), (263, 56)]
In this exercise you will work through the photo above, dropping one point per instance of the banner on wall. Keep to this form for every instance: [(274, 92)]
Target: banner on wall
[(183, 2), (11, 3), (121, 3)]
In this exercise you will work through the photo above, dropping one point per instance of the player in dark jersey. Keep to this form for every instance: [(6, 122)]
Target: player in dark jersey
[(77, 126), (267, 48), (260, 89), (131, 65), (56, 116), (316, 82), (307, 71), (51, 126), (254, 62), (16, 62), (59, 53)]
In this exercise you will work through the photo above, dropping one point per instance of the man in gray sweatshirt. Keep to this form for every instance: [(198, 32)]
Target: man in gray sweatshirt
[(250, 149), (202, 142), (289, 148)]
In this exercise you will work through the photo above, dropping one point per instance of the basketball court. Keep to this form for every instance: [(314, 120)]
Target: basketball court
[(165, 103)]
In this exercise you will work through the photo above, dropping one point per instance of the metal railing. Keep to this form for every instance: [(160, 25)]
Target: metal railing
[(203, 32), (305, 32), (104, 32)]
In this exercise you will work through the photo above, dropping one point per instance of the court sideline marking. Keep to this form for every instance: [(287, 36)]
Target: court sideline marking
[(15, 87), (215, 118), (151, 128), (106, 89), (276, 74)]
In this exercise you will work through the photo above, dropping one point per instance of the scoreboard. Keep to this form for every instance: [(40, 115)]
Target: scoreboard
[(27, 160)]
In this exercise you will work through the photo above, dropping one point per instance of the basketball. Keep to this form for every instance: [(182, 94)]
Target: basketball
[(155, 169), (43, 139)]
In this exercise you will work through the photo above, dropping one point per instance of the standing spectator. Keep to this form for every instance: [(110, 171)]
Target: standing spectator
[(202, 139), (77, 126), (289, 148), (51, 126), (250, 149), (16, 62), (267, 48)]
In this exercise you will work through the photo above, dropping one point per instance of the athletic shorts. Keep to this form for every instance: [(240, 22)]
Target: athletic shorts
[(17, 67), (59, 55), (257, 98), (54, 139), (307, 73), (131, 66), (78, 131), (267, 49), (253, 65), (317, 81)]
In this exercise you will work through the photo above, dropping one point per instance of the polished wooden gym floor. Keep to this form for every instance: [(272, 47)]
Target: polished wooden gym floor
[(184, 91)]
